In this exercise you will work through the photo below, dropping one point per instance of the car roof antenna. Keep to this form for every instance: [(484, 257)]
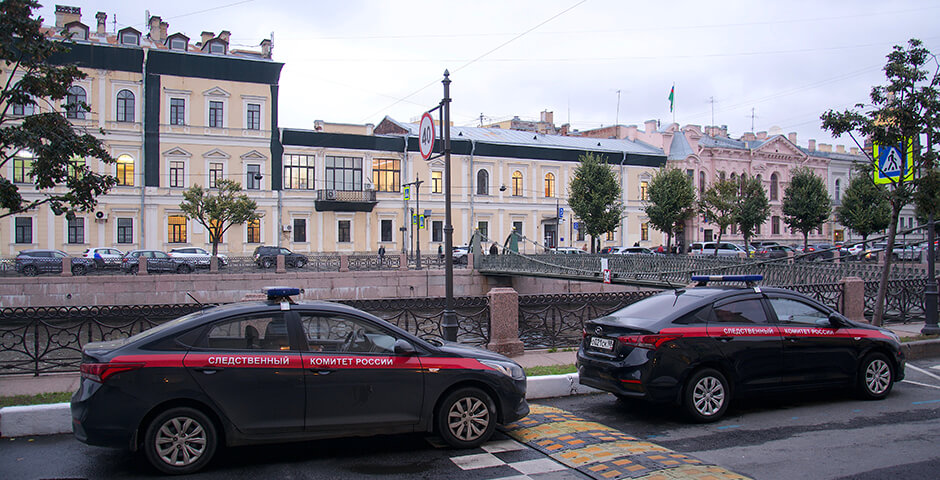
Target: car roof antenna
[(190, 295)]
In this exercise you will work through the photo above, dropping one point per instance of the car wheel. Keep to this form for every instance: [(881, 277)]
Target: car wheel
[(30, 271), (266, 263), (184, 268), (466, 418), (134, 269), (300, 262), (875, 377), (78, 270), (180, 440), (706, 396)]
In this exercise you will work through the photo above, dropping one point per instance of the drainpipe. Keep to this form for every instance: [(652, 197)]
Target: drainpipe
[(143, 141), (406, 219), (473, 146), (277, 229)]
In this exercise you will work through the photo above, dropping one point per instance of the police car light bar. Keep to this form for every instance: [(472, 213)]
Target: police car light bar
[(748, 279), (280, 292)]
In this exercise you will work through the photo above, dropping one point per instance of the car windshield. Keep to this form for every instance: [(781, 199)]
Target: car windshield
[(163, 326)]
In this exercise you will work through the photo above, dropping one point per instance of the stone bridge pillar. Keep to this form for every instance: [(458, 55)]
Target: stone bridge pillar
[(853, 298), (281, 264), (504, 322)]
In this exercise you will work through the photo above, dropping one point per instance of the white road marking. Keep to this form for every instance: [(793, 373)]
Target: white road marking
[(540, 465), (925, 372), (480, 460), (921, 384), (502, 446)]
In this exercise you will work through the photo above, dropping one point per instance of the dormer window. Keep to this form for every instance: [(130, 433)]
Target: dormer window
[(129, 36), (77, 30), (216, 46), (178, 41)]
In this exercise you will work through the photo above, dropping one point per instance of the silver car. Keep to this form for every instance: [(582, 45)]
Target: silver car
[(104, 257), (199, 256)]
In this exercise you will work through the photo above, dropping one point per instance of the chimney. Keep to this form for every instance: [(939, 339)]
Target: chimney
[(853, 150), (649, 126), (825, 147), (163, 28), (318, 125), (206, 36), (840, 148), (548, 117), (748, 136), (225, 35), (102, 23), (370, 128), (792, 137), (724, 131), (65, 15), (811, 145), (154, 29), (266, 48), (564, 129), (761, 135)]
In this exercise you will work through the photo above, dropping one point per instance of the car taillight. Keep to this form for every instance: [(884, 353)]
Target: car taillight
[(651, 342), (762, 252), (99, 372)]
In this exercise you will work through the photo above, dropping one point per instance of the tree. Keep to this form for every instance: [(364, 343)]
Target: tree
[(44, 148), (671, 201), (902, 113), (717, 205), (753, 208), (864, 209), (806, 204), (221, 211), (594, 197)]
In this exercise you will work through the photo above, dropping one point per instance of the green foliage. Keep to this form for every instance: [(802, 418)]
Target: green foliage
[(806, 204), (752, 209), (671, 201), (47, 137), (864, 209), (719, 205), (594, 197), (37, 399), (550, 370), (927, 198), (220, 211)]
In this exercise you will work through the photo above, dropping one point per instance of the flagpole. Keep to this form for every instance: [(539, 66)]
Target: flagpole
[(673, 101)]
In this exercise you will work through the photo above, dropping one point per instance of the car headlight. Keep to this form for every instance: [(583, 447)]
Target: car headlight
[(510, 369)]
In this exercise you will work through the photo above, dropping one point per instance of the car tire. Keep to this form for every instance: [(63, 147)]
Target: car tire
[(706, 396), (30, 271), (300, 262), (79, 270), (184, 268), (180, 440), (466, 418), (875, 377), (266, 263), (134, 270)]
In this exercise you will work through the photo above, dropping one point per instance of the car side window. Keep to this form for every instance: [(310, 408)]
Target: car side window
[(338, 334), (252, 332), (743, 311), (793, 312)]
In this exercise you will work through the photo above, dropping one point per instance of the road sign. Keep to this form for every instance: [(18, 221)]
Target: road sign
[(576, 225), (892, 164), (426, 136), (407, 192), (561, 212)]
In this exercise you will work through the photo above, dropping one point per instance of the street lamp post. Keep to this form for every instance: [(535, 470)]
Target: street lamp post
[(449, 320), (417, 224), (930, 290)]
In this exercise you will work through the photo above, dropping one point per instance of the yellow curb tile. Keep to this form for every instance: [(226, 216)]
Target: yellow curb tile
[(597, 468), (610, 474)]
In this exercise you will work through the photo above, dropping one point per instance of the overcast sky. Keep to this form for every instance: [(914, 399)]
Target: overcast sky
[(355, 61)]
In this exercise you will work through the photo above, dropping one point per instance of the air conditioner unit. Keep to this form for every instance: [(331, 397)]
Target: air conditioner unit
[(286, 228), (102, 216)]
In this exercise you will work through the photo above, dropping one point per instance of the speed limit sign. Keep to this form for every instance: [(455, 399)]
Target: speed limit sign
[(426, 136)]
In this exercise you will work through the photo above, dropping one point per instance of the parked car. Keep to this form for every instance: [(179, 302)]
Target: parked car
[(819, 252), (637, 251), (568, 251), (774, 251), (280, 370), (702, 346), (460, 255), (157, 261), (200, 257), (872, 253), (912, 251), (104, 257), (266, 257), (34, 262), (856, 250), (725, 249)]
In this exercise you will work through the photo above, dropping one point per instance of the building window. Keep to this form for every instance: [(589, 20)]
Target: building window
[(76, 167), (644, 190), (484, 228), (344, 173), (76, 227), (721, 176), (344, 235), (644, 232), (483, 182), (129, 38), (22, 110), (517, 184), (254, 231), (610, 236), (22, 167), (23, 230), (298, 172), (691, 174), (386, 174), (773, 186), (517, 226), (73, 100), (437, 231), (177, 111), (215, 174), (215, 114), (217, 48), (775, 225), (176, 227), (125, 170), (581, 234), (701, 183), (253, 177), (178, 44), (253, 122), (437, 182), (549, 185), (300, 230), (125, 230), (125, 106), (176, 174), (386, 230), (757, 229), (838, 188)]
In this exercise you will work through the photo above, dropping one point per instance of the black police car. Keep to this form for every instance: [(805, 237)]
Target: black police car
[(700, 346), (277, 371)]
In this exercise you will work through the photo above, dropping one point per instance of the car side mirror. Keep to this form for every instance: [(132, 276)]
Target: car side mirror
[(403, 347), (834, 320)]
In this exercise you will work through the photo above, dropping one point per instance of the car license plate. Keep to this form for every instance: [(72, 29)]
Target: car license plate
[(602, 343)]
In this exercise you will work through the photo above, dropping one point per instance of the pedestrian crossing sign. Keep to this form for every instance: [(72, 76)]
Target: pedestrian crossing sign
[(892, 165)]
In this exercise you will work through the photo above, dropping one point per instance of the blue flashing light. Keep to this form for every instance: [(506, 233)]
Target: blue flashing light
[(748, 279), (280, 292)]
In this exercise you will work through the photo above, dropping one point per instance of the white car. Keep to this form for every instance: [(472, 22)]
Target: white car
[(857, 249), (725, 249), (568, 251), (199, 256), (105, 257)]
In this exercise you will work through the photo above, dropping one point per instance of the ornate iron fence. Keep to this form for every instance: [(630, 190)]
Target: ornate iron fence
[(422, 316)]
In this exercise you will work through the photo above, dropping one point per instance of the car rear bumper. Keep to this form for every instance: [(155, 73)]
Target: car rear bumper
[(629, 377)]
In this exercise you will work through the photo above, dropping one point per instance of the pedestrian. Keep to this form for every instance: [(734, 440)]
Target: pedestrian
[(636, 244), (660, 249), (381, 253), (440, 252), (494, 250)]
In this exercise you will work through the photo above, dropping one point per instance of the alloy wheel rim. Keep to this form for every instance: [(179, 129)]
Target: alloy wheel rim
[(708, 396), (180, 441), (468, 419), (878, 377)]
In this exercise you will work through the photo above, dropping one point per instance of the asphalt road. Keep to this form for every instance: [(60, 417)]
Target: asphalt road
[(814, 435)]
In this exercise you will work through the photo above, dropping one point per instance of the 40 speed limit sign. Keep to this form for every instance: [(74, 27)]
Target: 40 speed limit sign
[(426, 136)]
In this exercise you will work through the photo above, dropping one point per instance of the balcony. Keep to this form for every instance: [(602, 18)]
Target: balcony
[(345, 200)]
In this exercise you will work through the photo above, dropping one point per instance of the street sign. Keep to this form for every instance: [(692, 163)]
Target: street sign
[(426, 136), (576, 225), (407, 192), (561, 212), (892, 164)]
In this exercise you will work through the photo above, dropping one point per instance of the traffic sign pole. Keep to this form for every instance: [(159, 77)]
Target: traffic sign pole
[(449, 320)]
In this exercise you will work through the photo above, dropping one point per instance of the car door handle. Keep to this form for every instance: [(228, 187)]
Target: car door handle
[(208, 370), (725, 339), (321, 372), (792, 339)]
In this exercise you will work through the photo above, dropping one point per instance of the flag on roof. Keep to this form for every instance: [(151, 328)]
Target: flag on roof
[(672, 97)]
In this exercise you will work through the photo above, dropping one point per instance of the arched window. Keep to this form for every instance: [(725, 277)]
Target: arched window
[(517, 183), (721, 175), (125, 170), (549, 185), (483, 182), (773, 186), (734, 176), (701, 183), (125, 106), (76, 96), (838, 188)]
